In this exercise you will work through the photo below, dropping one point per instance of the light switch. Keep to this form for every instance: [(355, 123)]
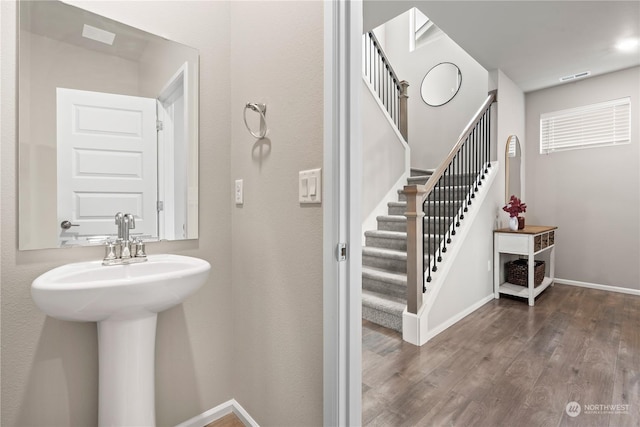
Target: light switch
[(310, 186)]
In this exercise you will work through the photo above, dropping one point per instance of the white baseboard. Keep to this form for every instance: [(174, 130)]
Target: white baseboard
[(455, 319), (218, 412), (598, 286)]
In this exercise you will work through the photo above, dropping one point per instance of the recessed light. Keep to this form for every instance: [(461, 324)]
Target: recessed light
[(98, 35), (627, 45)]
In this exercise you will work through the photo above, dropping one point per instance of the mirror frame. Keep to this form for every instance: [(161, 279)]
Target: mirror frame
[(452, 95), (507, 174)]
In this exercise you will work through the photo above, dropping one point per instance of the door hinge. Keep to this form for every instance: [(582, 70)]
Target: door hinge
[(160, 206), (342, 252), (159, 125)]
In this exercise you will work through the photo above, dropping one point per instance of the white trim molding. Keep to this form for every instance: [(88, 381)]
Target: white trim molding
[(342, 221), (456, 318), (218, 412), (598, 286)]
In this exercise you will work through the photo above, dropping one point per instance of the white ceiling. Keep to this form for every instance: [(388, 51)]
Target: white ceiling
[(533, 42)]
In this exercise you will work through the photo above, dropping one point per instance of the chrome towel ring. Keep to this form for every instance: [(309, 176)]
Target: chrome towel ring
[(262, 110)]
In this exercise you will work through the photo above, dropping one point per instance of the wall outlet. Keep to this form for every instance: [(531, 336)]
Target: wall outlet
[(239, 192)]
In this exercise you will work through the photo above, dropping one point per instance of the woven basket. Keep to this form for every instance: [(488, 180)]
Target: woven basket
[(517, 272)]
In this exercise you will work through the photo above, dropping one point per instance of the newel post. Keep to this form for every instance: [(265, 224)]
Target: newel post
[(404, 100), (415, 246)]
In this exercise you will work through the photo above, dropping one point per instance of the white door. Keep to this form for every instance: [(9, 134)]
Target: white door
[(107, 162)]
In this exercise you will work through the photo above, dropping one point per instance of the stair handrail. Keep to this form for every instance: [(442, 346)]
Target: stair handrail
[(395, 98), (417, 195), (435, 177)]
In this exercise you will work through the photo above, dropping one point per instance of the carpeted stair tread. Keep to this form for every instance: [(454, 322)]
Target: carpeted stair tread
[(384, 253), (386, 234), (397, 279), (445, 189), (402, 218), (390, 254), (383, 310), (444, 202), (421, 172), (384, 302), (419, 179)]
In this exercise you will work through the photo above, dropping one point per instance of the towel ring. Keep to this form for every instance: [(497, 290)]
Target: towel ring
[(262, 110)]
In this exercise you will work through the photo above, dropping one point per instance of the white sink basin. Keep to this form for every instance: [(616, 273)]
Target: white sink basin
[(124, 300), (89, 291)]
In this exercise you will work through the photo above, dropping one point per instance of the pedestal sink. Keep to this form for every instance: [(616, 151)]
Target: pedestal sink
[(125, 301)]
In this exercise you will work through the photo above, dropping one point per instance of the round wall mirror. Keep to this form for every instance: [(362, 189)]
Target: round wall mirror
[(441, 84), (513, 168)]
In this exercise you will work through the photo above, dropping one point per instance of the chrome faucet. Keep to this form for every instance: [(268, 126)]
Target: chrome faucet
[(119, 221), (124, 250), (128, 223)]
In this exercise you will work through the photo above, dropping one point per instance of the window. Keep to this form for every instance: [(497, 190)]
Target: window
[(596, 125)]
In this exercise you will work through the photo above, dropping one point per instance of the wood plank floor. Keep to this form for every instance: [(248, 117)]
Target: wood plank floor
[(508, 364), (229, 420)]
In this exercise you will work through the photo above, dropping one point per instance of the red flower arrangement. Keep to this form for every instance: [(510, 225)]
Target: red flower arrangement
[(515, 207)]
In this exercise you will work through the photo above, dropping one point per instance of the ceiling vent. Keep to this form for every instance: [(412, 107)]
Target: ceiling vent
[(575, 76), (98, 35)]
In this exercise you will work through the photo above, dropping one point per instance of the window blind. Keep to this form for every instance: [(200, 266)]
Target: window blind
[(596, 125)]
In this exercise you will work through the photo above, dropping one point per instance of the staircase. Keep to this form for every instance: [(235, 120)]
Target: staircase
[(384, 256), (445, 195)]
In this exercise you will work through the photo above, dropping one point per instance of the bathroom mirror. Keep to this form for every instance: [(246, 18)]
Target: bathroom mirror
[(441, 84), (108, 122), (513, 168)]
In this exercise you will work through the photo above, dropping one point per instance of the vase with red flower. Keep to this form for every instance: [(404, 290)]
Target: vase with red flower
[(514, 208)]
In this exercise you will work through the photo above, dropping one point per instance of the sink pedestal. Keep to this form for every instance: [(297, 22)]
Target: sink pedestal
[(126, 349), (124, 299)]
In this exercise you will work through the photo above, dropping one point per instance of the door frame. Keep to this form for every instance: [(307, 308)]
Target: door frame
[(342, 280), (176, 86)]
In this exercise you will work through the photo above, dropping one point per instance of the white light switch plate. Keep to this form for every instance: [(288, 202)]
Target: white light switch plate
[(310, 186), (239, 192)]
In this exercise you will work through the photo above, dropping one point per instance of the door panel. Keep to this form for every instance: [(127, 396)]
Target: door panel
[(107, 162)]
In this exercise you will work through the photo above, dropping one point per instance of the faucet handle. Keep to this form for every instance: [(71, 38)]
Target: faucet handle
[(125, 249), (109, 250), (132, 220), (140, 249)]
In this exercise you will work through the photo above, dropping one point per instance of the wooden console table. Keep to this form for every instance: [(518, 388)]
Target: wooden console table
[(530, 241)]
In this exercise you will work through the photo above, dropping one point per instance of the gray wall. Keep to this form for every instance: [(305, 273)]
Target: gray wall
[(49, 367), (383, 152), (592, 195), (277, 58), (510, 110), (433, 131)]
